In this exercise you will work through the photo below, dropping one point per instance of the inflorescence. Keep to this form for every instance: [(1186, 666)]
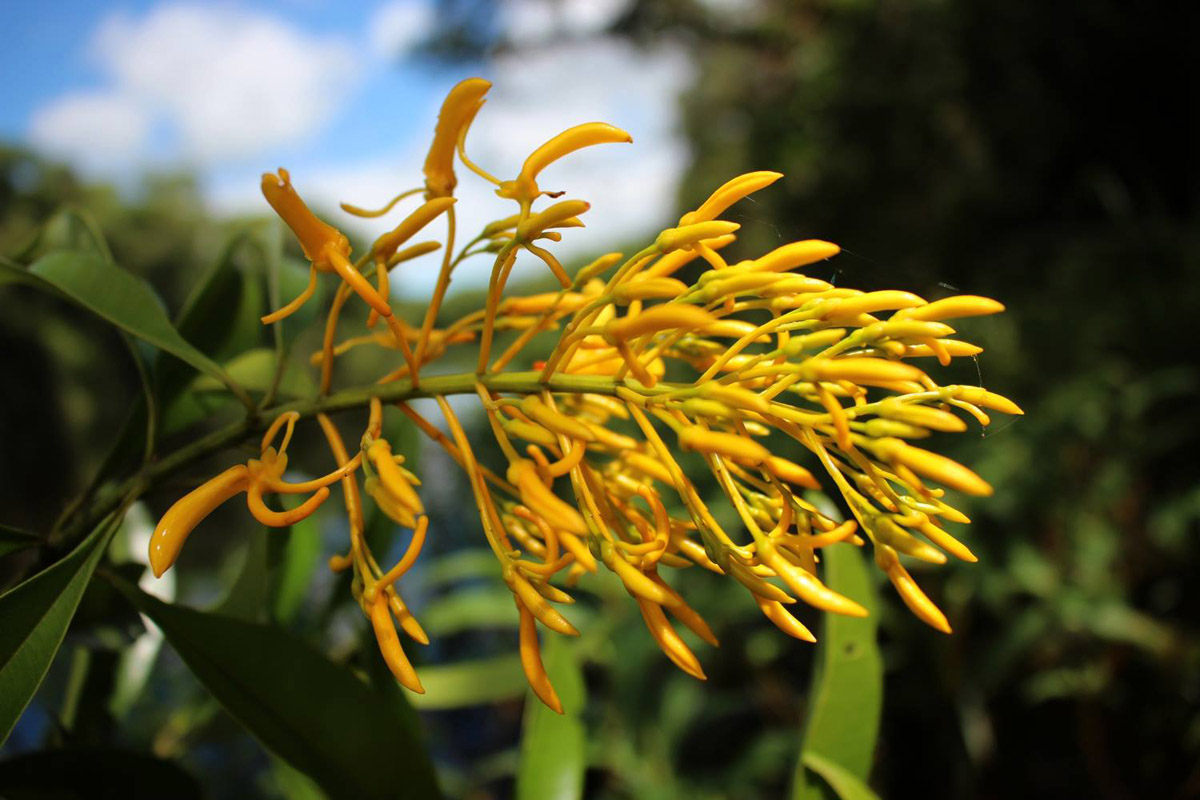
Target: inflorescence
[(645, 366)]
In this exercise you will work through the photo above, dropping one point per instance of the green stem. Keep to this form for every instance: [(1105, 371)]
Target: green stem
[(397, 391)]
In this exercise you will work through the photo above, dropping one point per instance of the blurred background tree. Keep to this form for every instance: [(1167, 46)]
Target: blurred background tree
[(1043, 154)]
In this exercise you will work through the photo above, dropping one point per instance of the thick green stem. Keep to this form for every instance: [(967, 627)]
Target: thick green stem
[(437, 385)]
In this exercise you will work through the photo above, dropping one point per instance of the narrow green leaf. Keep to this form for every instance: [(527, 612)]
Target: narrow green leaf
[(36, 614), (844, 783), (554, 746), (470, 609), (314, 714), (123, 299), (847, 694), (94, 773), (13, 540), (300, 559), (470, 683)]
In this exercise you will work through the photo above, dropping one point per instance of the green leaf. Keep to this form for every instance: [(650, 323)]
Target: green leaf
[(470, 609), (847, 693), (298, 563), (36, 614), (123, 299), (470, 683), (845, 784), (14, 540), (224, 292), (255, 369), (554, 746), (94, 773), (247, 595), (314, 714)]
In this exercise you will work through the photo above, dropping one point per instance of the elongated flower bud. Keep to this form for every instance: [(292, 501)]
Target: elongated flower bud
[(729, 193), (739, 448), (177, 524), (319, 240), (458, 110), (651, 320)]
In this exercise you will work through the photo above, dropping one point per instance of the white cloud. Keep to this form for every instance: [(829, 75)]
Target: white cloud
[(536, 93), (397, 26), (93, 128), (223, 82)]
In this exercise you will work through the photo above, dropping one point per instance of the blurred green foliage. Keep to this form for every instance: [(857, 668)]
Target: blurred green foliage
[(1042, 154)]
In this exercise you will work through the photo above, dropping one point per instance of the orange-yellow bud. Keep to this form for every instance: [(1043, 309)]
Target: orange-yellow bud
[(797, 254), (663, 317), (175, 526), (458, 110), (319, 240), (729, 193), (966, 305), (739, 448)]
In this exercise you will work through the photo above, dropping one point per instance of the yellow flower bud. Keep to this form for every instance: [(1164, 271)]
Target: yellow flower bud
[(731, 445), (965, 305), (791, 472), (386, 245), (523, 474), (933, 466), (555, 420), (797, 254), (320, 241), (982, 397), (648, 289), (728, 194), (662, 317), (688, 235), (458, 110), (177, 524), (870, 371), (567, 142), (870, 302)]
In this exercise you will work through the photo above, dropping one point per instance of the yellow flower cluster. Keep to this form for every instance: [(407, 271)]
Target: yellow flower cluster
[(646, 366)]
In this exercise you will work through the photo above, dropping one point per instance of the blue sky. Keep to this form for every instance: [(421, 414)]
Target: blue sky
[(232, 89)]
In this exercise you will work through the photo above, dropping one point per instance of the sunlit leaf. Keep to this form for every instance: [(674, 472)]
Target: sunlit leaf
[(847, 690), (318, 716), (255, 370), (845, 784), (470, 609), (36, 614), (470, 683), (554, 746)]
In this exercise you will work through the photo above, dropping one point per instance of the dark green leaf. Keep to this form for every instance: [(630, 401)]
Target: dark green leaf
[(122, 298), (224, 292), (100, 774), (13, 540), (247, 596), (318, 716), (300, 560), (554, 746), (847, 693), (36, 614)]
